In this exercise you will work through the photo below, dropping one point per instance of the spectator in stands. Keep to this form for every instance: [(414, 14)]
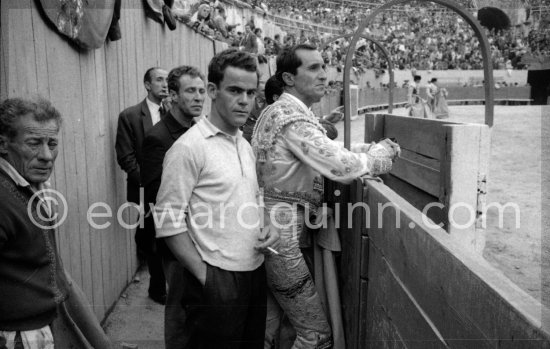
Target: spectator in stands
[(249, 41), (232, 38), (423, 37), (293, 154), (133, 123), (219, 23), (268, 44), (277, 45), (37, 295), (224, 279), (201, 19), (259, 41)]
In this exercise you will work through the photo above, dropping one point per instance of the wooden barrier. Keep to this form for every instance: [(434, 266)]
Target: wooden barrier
[(442, 170), (419, 288), (90, 88)]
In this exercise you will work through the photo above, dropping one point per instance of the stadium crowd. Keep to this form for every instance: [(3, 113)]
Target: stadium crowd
[(427, 37)]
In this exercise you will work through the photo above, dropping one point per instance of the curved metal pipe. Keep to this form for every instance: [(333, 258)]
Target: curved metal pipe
[(484, 45), (384, 52)]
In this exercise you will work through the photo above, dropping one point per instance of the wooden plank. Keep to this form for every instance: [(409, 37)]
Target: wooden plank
[(420, 159), (182, 46), (194, 58), (62, 60), (140, 47), (39, 38), (115, 70), (4, 48), (415, 329), (350, 235), (422, 136), (149, 42), (97, 182), (164, 48), (418, 198), (105, 153), (380, 332), (133, 79), (483, 174), (364, 256), (478, 306), (374, 127), (21, 54), (112, 105), (129, 78), (90, 239), (459, 182), (418, 175), (363, 310), (204, 56)]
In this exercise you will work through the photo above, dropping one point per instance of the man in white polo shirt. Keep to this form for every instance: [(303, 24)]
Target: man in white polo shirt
[(207, 212)]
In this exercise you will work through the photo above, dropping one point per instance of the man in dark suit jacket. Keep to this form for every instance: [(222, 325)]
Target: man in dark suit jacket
[(133, 124), (249, 43), (187, 91)]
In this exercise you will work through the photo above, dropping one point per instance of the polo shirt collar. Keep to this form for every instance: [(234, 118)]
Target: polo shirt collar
[(209, 130)]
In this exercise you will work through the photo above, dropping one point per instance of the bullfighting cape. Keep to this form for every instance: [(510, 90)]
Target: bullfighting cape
[(85, 22)]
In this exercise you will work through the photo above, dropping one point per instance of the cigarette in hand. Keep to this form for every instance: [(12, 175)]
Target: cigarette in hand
[(273, 250)]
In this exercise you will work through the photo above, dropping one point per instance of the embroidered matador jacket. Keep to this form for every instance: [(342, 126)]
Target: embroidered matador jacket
[(293, 154)]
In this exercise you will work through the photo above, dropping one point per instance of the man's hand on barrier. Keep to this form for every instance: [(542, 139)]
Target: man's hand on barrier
[(392, 147)]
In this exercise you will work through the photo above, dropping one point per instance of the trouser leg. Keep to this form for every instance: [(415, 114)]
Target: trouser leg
[(174, 316), (228, 312), (157, 282), (272, 323), (254, 329), (292, 285)]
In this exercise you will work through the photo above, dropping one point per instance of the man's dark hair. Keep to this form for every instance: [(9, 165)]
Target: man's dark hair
[(288, 61), (176, 73), (273, 86), (147, 77), (417, 78), (230, 58), (13, 108), (433, 80)]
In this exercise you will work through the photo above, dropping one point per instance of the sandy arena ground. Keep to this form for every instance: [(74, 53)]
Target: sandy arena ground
[(515, 177)]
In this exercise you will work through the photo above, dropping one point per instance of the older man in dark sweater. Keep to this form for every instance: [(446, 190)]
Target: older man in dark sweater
[(33, 283)]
